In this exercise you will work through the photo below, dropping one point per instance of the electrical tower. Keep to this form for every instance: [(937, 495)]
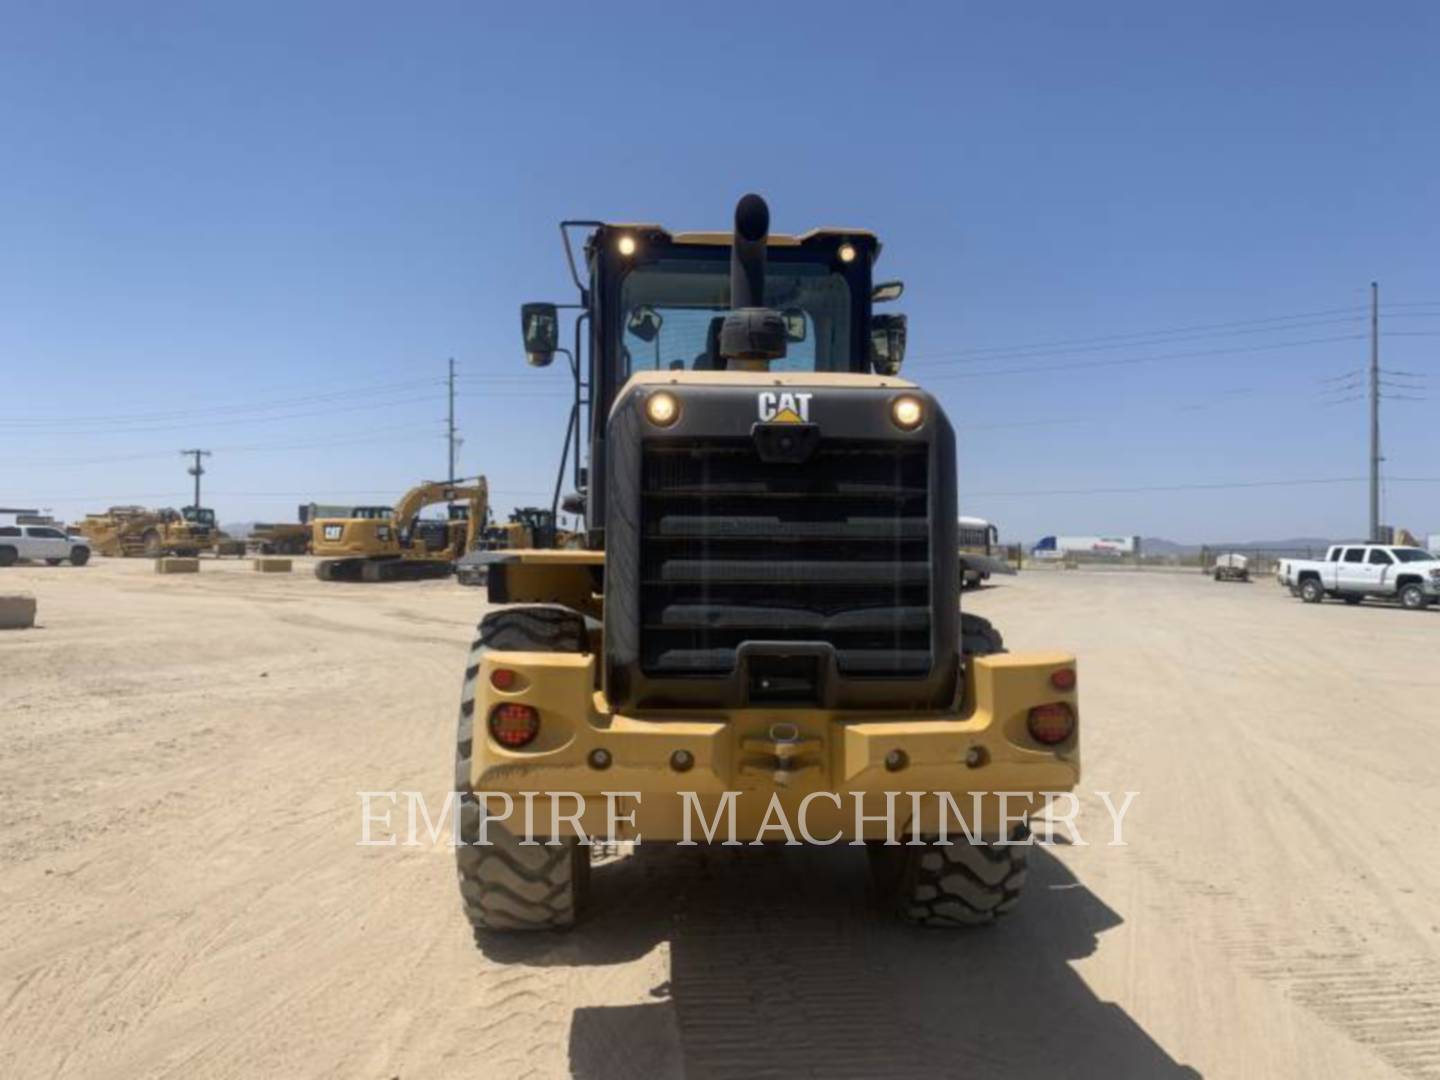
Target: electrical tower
[(196, 470), (1375, 537)]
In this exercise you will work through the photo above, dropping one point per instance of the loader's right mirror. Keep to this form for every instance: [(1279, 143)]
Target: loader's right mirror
[(541, 324), (887, 343)]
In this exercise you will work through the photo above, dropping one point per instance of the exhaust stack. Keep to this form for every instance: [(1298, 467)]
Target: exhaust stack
[(752, 335)]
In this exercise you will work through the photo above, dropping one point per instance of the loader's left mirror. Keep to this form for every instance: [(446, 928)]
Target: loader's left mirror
[(541, 324)]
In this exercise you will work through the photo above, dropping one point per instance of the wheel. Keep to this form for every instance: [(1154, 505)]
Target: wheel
[(153, 547), (960, 884), (504, 885), (1412, 598), (8, 556), (1311, 591), (79, 556), (978, 637), (1351, 599), (1217, 575)]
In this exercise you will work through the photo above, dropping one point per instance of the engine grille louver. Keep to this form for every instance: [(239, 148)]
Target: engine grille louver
[(835, 549)]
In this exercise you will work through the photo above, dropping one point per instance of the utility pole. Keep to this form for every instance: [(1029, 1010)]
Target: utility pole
[(450, 440), (197, 470), (1374, 412)]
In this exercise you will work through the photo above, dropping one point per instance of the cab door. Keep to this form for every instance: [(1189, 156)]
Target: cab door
[(43, 543), (1353, 574), (1381, 564)]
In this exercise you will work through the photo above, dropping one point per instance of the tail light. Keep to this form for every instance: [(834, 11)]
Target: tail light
[(1063, 679), (502, 678), (514, 725), (1051, 724)]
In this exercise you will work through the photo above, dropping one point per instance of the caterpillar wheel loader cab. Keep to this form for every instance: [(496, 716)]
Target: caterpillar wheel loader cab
[(765, 615), (399, 545)]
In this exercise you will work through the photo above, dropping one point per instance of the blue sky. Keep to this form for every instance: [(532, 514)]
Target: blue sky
[(263, 228)]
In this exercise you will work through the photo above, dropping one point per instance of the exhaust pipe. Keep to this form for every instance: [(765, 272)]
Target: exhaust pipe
[(751, 334)]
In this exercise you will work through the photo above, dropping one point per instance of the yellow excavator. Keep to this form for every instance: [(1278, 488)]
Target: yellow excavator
[(400, 545)]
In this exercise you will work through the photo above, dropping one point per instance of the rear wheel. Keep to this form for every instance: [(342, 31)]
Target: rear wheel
[(1412, 597), (505, 885), (8, 556), (957, 884), (1311, 591), (79, 556)]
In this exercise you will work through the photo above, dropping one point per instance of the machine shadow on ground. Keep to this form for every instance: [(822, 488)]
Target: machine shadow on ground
[(780, 966)]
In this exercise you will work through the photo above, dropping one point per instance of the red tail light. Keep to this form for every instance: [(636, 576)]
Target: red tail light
[(1051, 724), (514, 725), (502, 678), (1063, 679)]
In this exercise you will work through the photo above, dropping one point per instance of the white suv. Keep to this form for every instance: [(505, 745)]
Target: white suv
[(41, 542)]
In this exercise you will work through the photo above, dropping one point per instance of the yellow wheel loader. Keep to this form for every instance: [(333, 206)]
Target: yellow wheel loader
[(399, 545), (762, 633)]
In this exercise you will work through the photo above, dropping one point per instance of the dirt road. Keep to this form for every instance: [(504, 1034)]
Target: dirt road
[(183, 894)]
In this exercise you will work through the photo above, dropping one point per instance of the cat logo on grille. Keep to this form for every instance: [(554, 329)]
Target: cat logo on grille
[(784, 408)]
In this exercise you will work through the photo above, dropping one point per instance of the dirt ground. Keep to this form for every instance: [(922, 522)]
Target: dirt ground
[(183, 895)]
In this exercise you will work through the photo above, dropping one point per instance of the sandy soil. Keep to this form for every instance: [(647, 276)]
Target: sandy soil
[(183, 896)]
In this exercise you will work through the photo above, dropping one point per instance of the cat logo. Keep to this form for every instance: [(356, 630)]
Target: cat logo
[(784, 408)]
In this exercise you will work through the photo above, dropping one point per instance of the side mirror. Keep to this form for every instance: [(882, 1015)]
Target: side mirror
[(645, 323), (541, 325), (794, 324), (887, 291), (887, 343)]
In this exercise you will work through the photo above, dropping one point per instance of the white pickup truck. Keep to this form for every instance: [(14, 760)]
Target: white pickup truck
[(1351, 572), (38, 542)]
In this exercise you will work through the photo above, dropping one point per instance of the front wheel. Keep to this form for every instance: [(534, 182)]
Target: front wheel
[(79, 556), (1412, 598), (1311, 591)]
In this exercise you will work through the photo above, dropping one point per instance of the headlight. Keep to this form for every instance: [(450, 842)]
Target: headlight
[(626, 246), (662, 409), (907, 412)]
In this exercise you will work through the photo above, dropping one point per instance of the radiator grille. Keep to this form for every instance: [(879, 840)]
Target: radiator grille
[(834, 549)]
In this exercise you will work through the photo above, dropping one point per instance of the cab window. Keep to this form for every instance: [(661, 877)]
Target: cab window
[(1379, 558), (1355, 555)]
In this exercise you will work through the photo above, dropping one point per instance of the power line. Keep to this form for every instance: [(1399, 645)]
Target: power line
[(1131, 360), (995, 352)]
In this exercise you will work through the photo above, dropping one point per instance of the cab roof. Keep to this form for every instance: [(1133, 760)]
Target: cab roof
[(724, 239)]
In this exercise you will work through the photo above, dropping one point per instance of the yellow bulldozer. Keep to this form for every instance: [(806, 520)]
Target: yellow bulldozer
[(763, 629), (137, 531), (399, 545)]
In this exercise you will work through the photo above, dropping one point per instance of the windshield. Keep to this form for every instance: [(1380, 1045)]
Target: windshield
[(1412, 555), (200, 517), (671, 310)]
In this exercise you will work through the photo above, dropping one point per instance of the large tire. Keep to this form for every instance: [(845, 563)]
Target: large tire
[(978, 637), (1412, 598), (504, 885), (960, 884), (1311, 591), (79, 556)]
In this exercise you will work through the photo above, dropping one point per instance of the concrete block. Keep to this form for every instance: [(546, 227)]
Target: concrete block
[(17, 612), (270, 565), (176, 565)]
